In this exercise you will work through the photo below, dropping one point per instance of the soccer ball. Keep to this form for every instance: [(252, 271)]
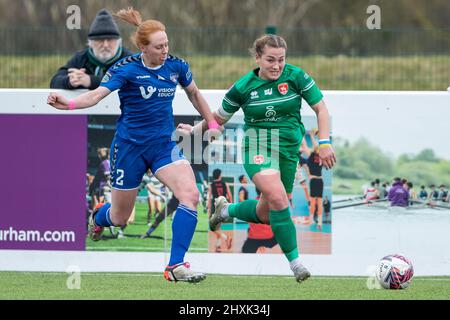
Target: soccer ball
[(394, 272)]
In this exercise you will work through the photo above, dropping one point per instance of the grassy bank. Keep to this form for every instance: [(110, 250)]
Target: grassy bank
[(347, 186), (219, 72)]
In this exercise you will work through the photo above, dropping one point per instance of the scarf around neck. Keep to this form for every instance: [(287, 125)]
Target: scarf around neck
[(101, 67)]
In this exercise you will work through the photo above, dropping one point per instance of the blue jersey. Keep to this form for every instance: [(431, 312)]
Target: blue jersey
[(146, 96)]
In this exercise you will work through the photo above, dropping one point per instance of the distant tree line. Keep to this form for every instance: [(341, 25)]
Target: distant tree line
[(238, 13), (362, 160), (326, 27)]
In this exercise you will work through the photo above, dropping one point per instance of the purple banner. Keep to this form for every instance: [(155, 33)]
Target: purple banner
[(43, 178)]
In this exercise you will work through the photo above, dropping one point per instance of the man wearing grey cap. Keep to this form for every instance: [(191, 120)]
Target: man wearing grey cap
[(86, 68)]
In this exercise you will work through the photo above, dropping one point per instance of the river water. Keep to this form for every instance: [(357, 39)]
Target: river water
[(422, 235)]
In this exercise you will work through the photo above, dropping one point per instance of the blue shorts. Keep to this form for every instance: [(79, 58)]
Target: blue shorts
[(129, 162)]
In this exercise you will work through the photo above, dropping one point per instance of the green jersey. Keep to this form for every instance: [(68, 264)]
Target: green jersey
[(269, 105)]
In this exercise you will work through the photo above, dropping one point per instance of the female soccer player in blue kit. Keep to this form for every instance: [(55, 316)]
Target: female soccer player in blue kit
[(147, 83)]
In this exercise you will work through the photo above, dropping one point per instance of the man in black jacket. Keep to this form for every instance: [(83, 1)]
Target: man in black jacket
[(86, 68)]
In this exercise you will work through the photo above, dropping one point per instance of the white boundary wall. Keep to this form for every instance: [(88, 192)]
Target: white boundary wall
[(358, 242), (398, 121), (353, 113)]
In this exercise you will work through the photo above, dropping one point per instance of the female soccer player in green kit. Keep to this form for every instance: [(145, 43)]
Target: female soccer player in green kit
[(270, 97)]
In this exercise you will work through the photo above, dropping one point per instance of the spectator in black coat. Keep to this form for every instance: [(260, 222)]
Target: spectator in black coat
[(86, 68)]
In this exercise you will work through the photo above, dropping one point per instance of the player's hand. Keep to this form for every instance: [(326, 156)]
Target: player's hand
[(313, 132), (185, 129), (57, 100), (213, 134), (327, 156), (214, 130), (261, 249), (79, 77)]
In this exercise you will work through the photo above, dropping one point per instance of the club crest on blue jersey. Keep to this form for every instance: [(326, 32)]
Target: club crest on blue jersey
[(174, 77)]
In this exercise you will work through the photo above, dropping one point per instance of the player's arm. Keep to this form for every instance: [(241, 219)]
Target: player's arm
[(106, 171), (304, 146), (199, 103), (305, 149), (312, 135), (314, 97), (150, 187), (85, 100), (274, 249), (326, 152), (230, 196), (202, 126), (222, 115), (241, 195), (323, 122), (308, 173), (209, 202)]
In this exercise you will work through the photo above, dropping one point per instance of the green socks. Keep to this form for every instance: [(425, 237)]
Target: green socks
[(282, 225), (285, 233), (245, 211)]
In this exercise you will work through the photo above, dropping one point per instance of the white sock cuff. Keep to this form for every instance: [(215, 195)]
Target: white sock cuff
[(224, 213), (294, 262)]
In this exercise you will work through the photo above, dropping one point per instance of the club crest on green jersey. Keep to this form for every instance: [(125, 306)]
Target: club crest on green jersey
[(258, 159), (283, 88)]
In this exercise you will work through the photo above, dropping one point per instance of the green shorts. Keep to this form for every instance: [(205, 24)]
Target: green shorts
[(254, 163)]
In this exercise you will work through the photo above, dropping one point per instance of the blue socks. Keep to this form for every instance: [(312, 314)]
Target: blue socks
[(183, 227), (102, 217), (150, 230)]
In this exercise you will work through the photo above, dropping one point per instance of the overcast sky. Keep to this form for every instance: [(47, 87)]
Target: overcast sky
[(398, 123)]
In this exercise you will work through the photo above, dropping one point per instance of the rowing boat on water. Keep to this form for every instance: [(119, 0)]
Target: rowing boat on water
[(388, 207), (384, 204)]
